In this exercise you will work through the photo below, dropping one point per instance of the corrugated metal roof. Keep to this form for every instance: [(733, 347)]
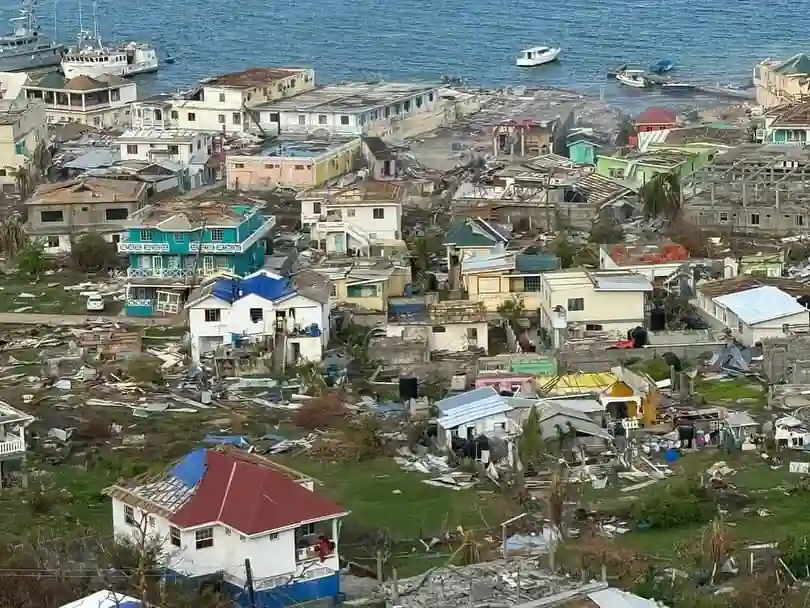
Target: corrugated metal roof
[(470, 406), (616, 598), (760, 304)]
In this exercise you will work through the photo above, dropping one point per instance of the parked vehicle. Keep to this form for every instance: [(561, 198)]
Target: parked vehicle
[(95, 303)]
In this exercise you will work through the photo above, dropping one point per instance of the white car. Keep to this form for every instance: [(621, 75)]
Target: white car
[(95, 303)]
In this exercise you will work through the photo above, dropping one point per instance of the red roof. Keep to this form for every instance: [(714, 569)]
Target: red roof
[(656, 116), (250, 498)]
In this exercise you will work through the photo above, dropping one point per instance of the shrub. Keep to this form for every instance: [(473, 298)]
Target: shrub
[(91, 252), (678, 503), (320, 413)]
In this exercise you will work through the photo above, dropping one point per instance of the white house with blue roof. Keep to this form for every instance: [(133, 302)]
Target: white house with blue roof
[(261, 307), (469, 415)]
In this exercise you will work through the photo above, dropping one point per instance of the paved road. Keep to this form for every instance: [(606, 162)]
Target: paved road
[(25, 318)]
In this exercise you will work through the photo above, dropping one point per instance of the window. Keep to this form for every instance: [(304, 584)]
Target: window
[(272, 536), (212, 315), (350, 212), (302, 120), (378, 213), (419, 102), (755, 219), (322, 119), (2, 172), (179, 237), (175, 115), (204, 538), (132, 148), (740, 326), (724, 216), (217, 234), (430, 96), (192, 117), (116, 214), (617, 173), (299, 167), (799, 219), (273, 116), (362, 291), (438, 329), (129, 515), (344, 120), (239, 165), (307, 529), (115, 95), (531, 283), (333, 292), (222, 98), (146, 235), (396, 108), (575, 304), (52, 241), (256, 315), (236, 118), (472, 333), (51, 216), (407, 105), (593, 327), (174, 536), (221, 119)]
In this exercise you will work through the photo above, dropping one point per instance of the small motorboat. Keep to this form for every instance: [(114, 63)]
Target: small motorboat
[(633, 78), (168, 59), (662, 67), (537, 55)]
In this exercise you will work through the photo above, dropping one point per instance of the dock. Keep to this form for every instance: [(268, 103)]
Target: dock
[(668, 85)]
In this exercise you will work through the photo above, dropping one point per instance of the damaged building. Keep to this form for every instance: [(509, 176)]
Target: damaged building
[(751, 188)]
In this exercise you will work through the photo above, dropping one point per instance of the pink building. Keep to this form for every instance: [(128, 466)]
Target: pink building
[(506, 381)]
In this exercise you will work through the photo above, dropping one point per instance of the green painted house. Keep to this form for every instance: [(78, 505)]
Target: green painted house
[(583, 148), (637, 168)]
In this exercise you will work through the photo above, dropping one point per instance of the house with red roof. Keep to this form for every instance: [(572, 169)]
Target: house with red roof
[(217, 508), (653, 119)]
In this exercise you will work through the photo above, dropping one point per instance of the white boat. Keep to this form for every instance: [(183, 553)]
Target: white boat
[(537, 55), (633, 78), (92, 58)]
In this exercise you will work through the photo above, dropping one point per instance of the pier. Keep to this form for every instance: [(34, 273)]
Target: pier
[(667, 84)]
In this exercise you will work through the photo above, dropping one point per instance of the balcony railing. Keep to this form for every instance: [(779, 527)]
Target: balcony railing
[(12, 446), (166, 273)]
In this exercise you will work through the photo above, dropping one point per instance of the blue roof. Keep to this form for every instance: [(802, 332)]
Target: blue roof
[(191, 469), (269, 288)]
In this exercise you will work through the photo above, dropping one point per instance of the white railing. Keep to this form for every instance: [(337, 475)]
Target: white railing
[(141, 302), (165, 273), (347, 227), (12, 446)]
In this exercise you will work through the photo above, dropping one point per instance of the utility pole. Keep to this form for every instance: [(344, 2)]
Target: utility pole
[(249, 584)]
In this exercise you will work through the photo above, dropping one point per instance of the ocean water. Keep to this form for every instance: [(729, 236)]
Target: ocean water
[(711, 40)]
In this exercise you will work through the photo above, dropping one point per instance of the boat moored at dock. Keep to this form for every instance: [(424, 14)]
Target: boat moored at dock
[(633, 78), (662, 66), (90, 57), (26, 47)]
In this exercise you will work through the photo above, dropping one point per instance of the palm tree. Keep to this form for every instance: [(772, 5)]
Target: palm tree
[(512, 310), (23, 181), (13, 237), (661, 196)]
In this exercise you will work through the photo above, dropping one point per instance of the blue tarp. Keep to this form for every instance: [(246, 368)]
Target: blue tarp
[(271, 289), (191, 469)]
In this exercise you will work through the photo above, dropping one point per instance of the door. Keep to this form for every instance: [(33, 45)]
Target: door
[(208, 265), (157, 265)]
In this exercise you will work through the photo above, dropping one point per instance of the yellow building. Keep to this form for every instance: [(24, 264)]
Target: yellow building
[(778, 82), (292, 161), (622, 392), (22, 129), (366, 284)]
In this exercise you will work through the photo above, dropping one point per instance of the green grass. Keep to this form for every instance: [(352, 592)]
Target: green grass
[(731, 391), (367, 489), (772, 490)]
